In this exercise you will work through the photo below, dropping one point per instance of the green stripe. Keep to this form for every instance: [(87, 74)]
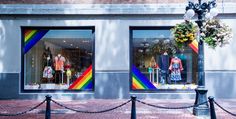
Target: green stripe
[(31, 37), (86, 83), (140, 82)]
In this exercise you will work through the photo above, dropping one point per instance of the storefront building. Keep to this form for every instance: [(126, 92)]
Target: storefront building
[(106, 49)]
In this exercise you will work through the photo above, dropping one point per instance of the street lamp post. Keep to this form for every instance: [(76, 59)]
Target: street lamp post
[(205, 9)]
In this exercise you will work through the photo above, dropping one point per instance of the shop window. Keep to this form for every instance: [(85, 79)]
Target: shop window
[(57, 58), (158, 64)]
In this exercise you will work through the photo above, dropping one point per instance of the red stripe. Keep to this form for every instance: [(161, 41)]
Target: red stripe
[(27, 32), (81, 77), (193, 47), (134, 86)]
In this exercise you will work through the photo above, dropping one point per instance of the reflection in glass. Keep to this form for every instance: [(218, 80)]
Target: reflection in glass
[(57, 59), (161, 62)]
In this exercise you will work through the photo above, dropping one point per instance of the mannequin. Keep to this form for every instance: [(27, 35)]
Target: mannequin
[(153, 63), (59, 61), (164, 67), (152, 66), (176, 68), (68, 71), (47, 65)]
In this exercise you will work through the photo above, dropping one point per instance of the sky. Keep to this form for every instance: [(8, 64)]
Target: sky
[(151, 33), (69, 34)]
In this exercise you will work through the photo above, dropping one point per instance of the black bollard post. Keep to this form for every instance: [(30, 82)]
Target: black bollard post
[(133, 108), (212, 108), (48, 107)]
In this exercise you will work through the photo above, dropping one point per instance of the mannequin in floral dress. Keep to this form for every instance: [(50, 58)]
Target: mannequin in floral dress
[(175, 68)]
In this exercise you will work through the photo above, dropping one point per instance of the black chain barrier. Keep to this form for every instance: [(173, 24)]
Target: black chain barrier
[(224, 109), (81, 111), (162, 107), (24, 112)]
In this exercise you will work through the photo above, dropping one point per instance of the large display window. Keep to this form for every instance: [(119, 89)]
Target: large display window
[(57, 58), (158, 64)]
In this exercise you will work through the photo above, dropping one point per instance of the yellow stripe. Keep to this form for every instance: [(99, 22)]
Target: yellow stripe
[(136, 82), (29, 35), (195, 43), (85, 76), (82, 84)]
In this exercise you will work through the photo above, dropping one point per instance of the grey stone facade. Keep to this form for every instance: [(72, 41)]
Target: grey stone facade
[(111, 24)]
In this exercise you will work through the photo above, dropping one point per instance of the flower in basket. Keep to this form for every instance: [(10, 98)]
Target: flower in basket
[(184, 33), (215, 33)]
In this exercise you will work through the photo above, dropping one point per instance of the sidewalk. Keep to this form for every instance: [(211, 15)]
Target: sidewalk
[(143, 111)]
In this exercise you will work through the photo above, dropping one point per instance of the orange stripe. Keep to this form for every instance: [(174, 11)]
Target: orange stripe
[(81, 77), (194, 46), (32, 33), (195, 43), (84, 78), (135, 85)]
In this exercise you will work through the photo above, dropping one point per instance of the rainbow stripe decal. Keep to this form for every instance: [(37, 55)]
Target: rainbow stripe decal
[(31, 37), (84, 82), (194, 45), (140, 81)]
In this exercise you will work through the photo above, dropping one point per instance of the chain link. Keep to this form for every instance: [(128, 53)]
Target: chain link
[(224, 109), (80, 111), (162, 107), (24, 112)]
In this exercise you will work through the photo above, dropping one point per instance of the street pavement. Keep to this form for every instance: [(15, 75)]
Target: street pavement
[(124, 112)]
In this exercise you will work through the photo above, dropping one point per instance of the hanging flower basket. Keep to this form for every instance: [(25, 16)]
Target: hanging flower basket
[(184, 33), (216, 33)]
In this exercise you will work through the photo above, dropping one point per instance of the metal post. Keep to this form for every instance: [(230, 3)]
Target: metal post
[(201, 8), (48, 107), (133, 108), (201, 91), (212, 108), (157, 75), (153, 71)]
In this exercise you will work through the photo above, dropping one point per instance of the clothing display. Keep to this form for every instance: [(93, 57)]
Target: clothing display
[(164, 68), (183, 59), (57, 76), (67, 66), (153, 63), (153, 68), (175, 68), (47, 72), (59, 68), (47, 64), (68, 75), (47, 58), (59, 62)]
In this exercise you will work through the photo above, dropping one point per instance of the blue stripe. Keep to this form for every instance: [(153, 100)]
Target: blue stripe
[(89, 86), (142, 78), (34, 40)]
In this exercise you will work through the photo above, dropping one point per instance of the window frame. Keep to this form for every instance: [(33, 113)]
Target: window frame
[(131, 29), (23, 90)]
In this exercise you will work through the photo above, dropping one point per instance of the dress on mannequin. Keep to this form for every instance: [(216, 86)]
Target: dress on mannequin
[(47, 65), (59, 68), (176, 68)]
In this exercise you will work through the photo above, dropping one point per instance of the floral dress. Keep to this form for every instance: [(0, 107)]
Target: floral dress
[(176, 68)]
